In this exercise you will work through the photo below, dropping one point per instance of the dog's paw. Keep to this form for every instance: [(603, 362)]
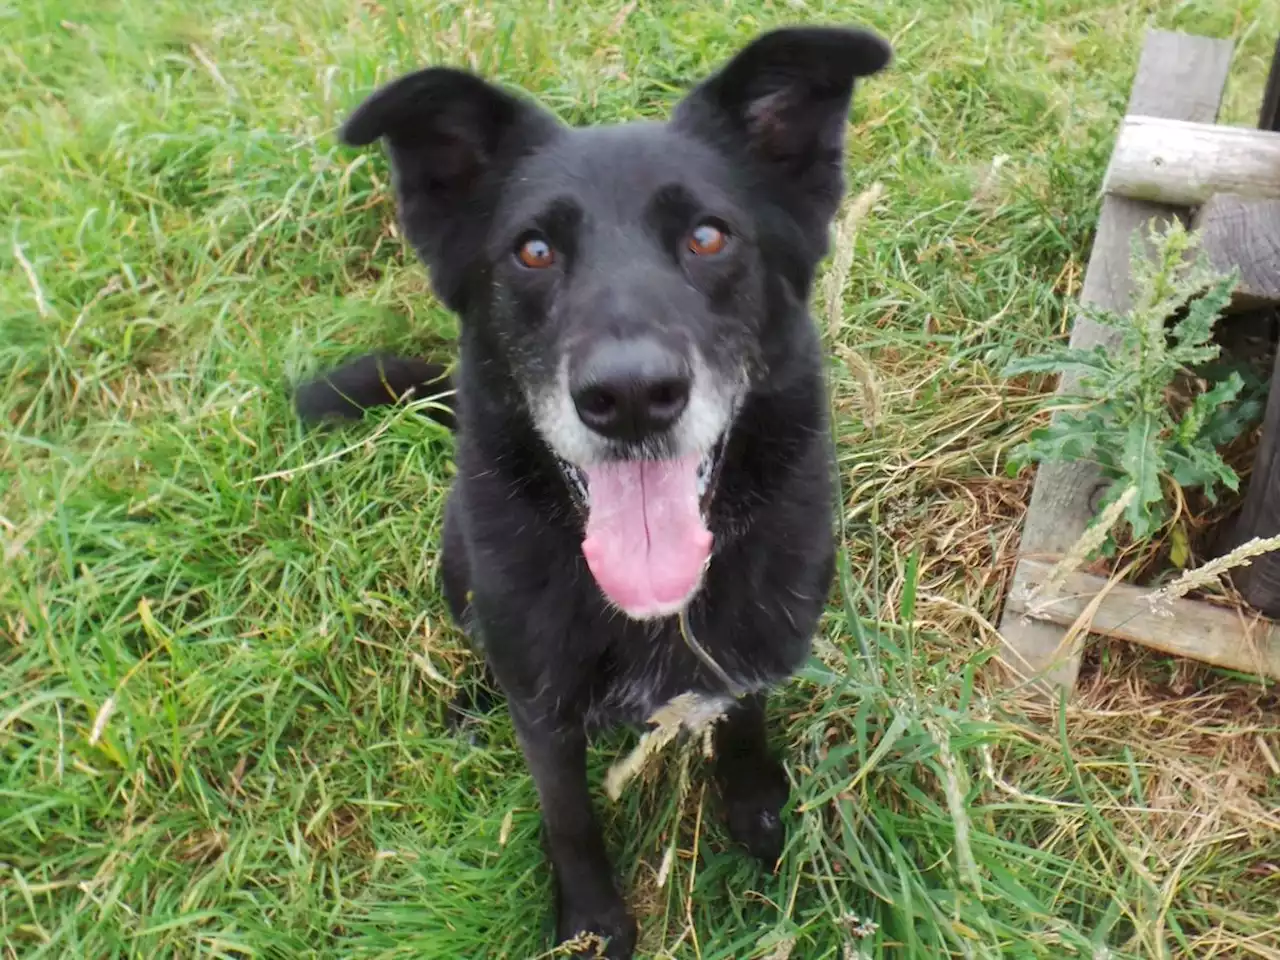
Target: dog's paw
[(753, 805), (608, 934)]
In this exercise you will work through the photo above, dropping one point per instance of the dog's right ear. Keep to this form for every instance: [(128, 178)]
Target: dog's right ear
[(451, 137)]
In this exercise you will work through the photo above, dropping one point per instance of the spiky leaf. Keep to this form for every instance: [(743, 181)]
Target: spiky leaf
[(1142, 460), (1062, 360), (1196, 327)]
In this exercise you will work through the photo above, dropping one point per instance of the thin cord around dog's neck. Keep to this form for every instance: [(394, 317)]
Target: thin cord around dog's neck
[(732, 687)]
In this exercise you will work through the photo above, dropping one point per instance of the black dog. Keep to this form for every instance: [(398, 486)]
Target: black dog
[(644, 501)]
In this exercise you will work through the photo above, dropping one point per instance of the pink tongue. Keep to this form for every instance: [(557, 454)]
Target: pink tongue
[(646, 543)]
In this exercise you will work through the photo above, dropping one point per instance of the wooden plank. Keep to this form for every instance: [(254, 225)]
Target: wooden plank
[(1181, 77), (1184, 628), (1269, 117), (1184, 164), (1244, 234), (1259, 583), (1259, 516)]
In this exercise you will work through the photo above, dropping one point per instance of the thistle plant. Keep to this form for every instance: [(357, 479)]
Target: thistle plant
[(1129, 412)]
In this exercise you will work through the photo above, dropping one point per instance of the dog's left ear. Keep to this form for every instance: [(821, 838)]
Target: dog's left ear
[(785, 101)]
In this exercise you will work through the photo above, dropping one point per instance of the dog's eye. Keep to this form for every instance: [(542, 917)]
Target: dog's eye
[(707, 240), (535, 253)]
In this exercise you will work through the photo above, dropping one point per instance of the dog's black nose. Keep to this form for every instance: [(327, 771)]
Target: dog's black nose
[(629, 389)]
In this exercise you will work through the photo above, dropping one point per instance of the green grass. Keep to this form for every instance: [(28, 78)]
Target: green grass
[(224, 661)]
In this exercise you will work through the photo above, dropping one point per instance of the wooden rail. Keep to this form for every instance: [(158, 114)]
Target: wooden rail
[(1185, 164)]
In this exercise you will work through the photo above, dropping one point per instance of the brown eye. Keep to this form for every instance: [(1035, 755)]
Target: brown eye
[(707, 240), (535, 253)]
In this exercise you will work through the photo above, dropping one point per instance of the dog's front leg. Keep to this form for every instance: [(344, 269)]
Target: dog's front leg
[(753, 784), (587, 900)]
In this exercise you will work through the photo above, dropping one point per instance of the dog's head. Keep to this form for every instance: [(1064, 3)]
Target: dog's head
[(637, 280)]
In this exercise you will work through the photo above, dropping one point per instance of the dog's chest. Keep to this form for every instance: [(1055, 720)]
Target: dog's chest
[(649, 671), (637, 704)]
